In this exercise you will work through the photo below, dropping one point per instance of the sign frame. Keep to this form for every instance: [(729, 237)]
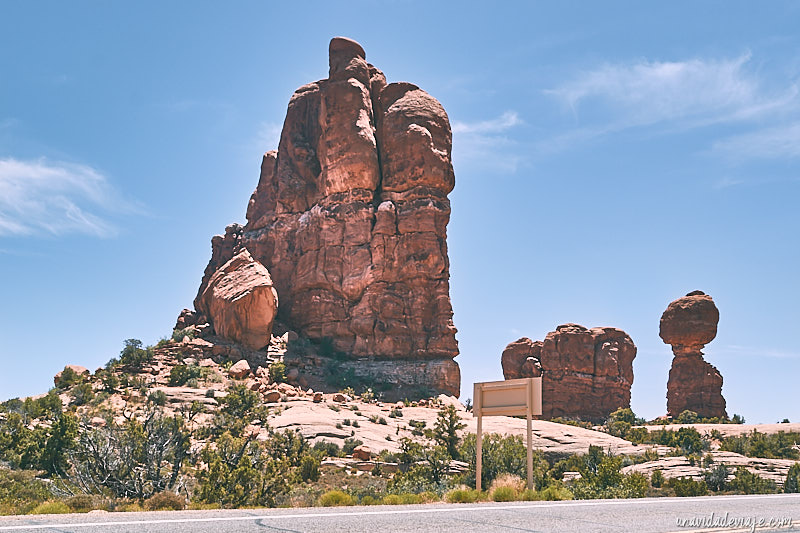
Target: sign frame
[(511, 397)]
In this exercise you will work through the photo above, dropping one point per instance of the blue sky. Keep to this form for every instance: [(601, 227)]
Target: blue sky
[(609, 159)]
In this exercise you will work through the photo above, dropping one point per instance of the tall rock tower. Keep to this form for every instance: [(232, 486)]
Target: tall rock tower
[(350, 217)]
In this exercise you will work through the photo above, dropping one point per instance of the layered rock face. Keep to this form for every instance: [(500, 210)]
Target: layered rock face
[(586, 373), (688, 324), (350, 217)]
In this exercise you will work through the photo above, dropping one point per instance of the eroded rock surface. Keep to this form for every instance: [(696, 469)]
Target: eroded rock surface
[(349, 217), (241, 301), (586, 373), (688, 324)]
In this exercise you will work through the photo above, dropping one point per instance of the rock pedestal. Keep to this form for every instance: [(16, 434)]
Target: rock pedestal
[(688, 324), (586, 373)]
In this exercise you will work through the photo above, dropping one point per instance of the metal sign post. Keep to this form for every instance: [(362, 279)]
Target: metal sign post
[(512, 397)]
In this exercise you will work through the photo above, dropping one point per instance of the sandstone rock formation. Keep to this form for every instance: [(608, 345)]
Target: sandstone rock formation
[(349, 216), (688, 324), (241, 301), (586, 373)]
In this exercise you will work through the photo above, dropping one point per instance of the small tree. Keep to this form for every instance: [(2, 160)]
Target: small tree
[(446, 428), (792, 484), (133, 355)]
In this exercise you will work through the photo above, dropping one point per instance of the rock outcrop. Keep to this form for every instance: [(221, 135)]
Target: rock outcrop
[(349, 217), (688, 324), (241, 301), (586, 373)]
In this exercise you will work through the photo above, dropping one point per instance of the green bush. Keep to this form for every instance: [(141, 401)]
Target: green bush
[(792, 484), (309, 468), (687, 417), (82, 394), (277, 372), (749, 483), (716, 478), (55, 507), (133, 355), (755, 444), (157, 397), (179, 334), (335, 498), (446, 428), (351, 444), (165, 501), (686, 486), (181, 374), (21, 491), (462, 496), (504, 494), (501, 454), (657, 478)]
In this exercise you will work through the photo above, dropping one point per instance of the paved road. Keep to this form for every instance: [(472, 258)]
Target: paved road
[(646, 516)]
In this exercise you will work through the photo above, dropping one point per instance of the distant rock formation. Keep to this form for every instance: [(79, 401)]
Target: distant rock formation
[(586, 373), (349, 217), (688, 324)]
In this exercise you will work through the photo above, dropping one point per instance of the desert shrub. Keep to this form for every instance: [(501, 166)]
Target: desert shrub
[(157, 397), (240, 473), (755, 444), (391, 499), (165, 501), (82, 394), (133, 355), (686, 486), (133, 460), (41, 447), (657, 478), (351, 444), (54, 507), (571, 422), (446, 428), (504, 494), (179, 334), (687, 417), (462, 495), (397, 413), (501, 454), (69, 378), (21, 491), (309, 468), (601, 477), (716, 478), (181, 374), (109, 380), (792, 483), (277, 372), (335, 498), (749, 483), (83, 503)]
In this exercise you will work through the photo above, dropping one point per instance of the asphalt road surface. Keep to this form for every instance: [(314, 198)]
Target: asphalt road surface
[(779, 512)]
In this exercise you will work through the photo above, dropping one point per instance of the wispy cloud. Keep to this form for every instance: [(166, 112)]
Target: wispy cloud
[(55, 198), (507, 120), (777, 142), (676, 95), (486, 143)]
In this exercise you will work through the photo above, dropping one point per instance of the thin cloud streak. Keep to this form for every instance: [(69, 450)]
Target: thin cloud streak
[(768, 143), (485, 144), (676, 95), (56, 198)]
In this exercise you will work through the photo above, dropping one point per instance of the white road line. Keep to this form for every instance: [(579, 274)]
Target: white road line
[(454, 508)]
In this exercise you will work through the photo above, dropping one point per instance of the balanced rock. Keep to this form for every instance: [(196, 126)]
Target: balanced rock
[(688, 324), (241, 301), (586, 373), (350, 217)]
